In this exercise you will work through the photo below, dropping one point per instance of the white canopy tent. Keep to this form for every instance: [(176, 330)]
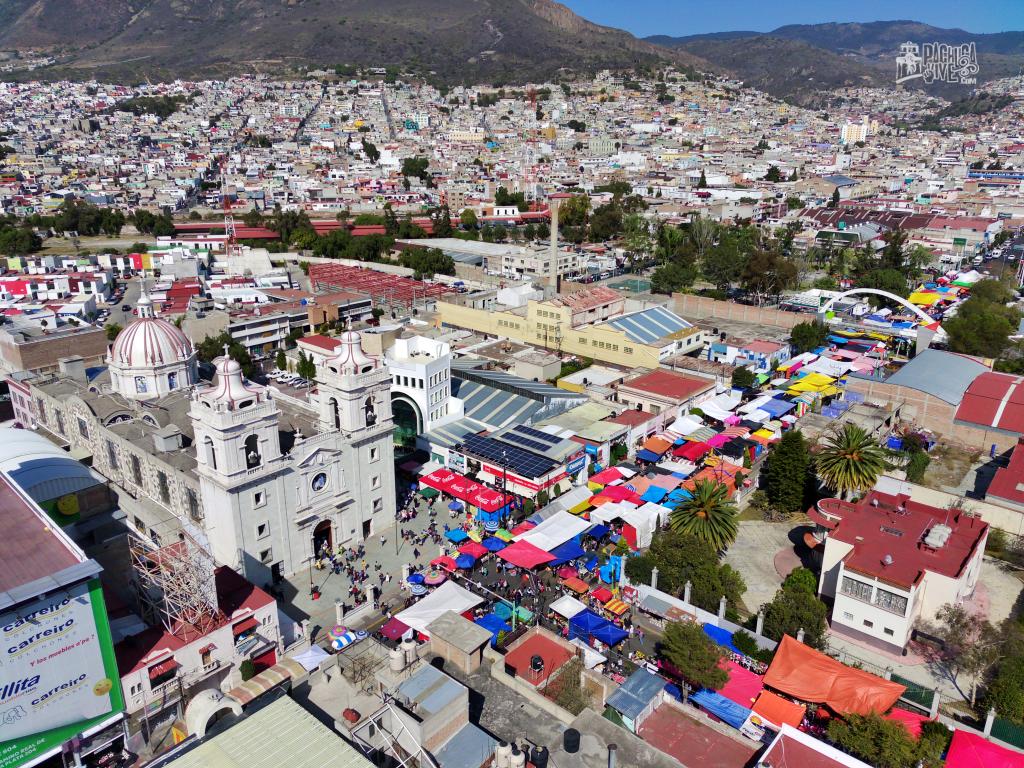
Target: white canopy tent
[(685, 425), (447, 597), (645, 521), (556, 530), (610, 511), (567, 606)]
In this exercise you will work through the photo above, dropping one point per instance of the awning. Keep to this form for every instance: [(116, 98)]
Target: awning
[(576, 584), (473, 549), (157, 670), (969, 750), (246, 625), (525, 555), (428, 493), (285, 670), (393, 629), (207, 649), (616, 606), (725, 710), (602, 594), (779, 711), (567, 606), (456, 535), (644, 455)]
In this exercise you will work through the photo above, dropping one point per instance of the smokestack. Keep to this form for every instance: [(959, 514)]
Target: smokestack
[(554, 278), (612, 749)]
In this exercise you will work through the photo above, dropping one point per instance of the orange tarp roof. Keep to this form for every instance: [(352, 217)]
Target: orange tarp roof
[(657, 444), (809, 675), (777, 710)]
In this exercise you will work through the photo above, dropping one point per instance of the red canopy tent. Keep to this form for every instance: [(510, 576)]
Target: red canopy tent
[(448, 563), (742, 686), (523, 527), (602, 594), (606, 476), (969, 750), (464, 489), (474, 549), (525, 555), (692, 451), (394, 629), (810, 675), (620, 493)]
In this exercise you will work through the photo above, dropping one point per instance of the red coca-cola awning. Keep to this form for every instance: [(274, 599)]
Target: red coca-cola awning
[(245, 625)]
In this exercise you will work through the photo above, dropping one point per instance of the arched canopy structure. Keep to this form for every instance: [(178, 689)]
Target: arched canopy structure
[(921, 314)]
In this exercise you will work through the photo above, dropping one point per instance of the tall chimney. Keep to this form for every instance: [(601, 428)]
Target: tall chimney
[(612, 749), (554, 278)]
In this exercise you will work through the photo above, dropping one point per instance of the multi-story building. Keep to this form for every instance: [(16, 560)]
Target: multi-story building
[(421, 392), (889, 564)]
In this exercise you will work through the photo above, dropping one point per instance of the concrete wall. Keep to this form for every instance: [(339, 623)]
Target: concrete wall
[(524, 689), (694, 307)]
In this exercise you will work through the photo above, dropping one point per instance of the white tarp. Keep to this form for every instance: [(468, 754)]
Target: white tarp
[(577, 495), (610, 511), (720, 407), (567, 606), (311, 659), (554, 531), (834, 368), (685, 425), (645, 521), (591, 658), (448, 597)]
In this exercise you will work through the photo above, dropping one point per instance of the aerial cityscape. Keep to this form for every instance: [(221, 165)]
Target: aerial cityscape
[(467, 383)]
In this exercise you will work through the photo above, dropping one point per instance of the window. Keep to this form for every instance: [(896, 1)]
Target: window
[(41, 407), (259, 498), (856, 589), (266, 556), (627, 350), (164, 488), (252, 452), (112, 455), (137, 521), (193, 503), (890, 601), (262, 530), (136, 470), (868, 624), (60, 422), (378, 505), (374, 454), (889, 632), (375, 482), (848, 616)]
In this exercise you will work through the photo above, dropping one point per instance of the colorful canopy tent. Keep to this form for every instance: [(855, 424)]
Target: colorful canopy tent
[(609, 634), (725, 710), (493, 544), (464, 489), (456, 535), (743, 685), (394, 629), (523, 554), (606, 476), (576, 584), (779, 711), (692, 451), (616, 606), (721, 636), (563, 553), (448, 597), (567, 606), (968, 750), (556, 530), (909, 720), (810, 675), (494, 625), (474, 550), (602, 594)]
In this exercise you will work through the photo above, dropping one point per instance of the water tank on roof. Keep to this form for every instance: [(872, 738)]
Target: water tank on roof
[(518, 758), (571, 741), (409, 647), (503, 755), (396, 659)]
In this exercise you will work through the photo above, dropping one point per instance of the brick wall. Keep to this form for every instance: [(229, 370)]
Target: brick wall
[(693, 307), (42, 353)]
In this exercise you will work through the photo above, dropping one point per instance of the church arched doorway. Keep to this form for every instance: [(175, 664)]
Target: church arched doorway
[(323, 538)]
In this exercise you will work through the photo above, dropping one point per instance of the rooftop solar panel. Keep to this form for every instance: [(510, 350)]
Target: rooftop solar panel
[(518, 460)]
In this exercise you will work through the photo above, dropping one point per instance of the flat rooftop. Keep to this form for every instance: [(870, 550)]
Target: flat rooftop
[(32, 546)]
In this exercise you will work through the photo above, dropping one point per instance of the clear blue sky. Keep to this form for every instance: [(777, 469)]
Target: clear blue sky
[(691, 17)]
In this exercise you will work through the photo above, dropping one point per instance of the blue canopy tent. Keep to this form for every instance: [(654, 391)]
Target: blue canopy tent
[(727, 711), (654, 493), (777, 407), (563, 553), (591, 563), (415, 578), (596, 531), (610, 634), (494, 625), (645, 455), (465, 561), (721, 636), (455, 506), (584, 623), (456, 535), (493, 544)]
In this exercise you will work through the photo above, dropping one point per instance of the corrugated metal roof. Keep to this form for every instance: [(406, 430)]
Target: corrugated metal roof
[(944, 375), (649, 325)]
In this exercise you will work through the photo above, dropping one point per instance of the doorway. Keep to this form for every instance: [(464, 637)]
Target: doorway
[(323, 538), (275, 573), (367, 528)]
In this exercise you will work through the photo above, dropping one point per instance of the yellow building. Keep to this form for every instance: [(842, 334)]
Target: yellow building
[(635, 340)]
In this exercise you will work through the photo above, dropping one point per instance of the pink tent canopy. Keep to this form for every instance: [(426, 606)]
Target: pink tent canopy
[(525, 555), (464, 489), (606, 476), (718, 441), (743, 685), (619, 493), (968, 750), (523, 527), (909, 720), (474, 549)]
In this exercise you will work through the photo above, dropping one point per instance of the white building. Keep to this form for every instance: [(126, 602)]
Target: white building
[(421, 393), (890, 563)]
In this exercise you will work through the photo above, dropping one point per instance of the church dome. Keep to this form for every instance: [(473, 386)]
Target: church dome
[(230, 389), (150, 341), (349, 357)]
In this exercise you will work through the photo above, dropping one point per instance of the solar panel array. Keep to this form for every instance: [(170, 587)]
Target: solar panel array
[(518, 460)]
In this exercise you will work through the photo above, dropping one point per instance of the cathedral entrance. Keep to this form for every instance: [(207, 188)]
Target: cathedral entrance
[(322, 538)]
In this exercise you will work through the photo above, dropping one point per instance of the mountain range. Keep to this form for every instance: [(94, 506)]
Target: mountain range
[(496, 41)]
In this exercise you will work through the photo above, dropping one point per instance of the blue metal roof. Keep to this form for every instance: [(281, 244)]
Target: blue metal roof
[(492, 406), (469, 748), (649, 325), (636, 693), (431, 689)]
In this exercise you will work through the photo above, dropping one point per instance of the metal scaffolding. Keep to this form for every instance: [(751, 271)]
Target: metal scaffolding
[(175, 585)]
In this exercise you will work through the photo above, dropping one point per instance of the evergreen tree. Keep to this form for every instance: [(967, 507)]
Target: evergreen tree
[(281, 362), (787, 473), (702, 183)]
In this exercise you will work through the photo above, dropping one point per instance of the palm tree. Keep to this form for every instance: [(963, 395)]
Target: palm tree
[(850, 461), (709, 514)]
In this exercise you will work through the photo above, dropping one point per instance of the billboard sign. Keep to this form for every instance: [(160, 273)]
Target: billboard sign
[(58, 673)]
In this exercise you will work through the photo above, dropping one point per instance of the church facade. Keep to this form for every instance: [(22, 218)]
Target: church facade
[(268, 479)]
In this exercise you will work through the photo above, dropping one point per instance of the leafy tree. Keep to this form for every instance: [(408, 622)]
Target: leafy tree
[(970, 645), (1006, 693), (112, 330), (983, 324), (371, 151), (281, 361), (743, 378), (441, 221), (543, 231), (636, 238), (212, 347), (247, 669), (890, 280), (306, 367), (253, 218), (834, 202), (886, 743), (17, 241), (767, 273), (427, 262), (606, 221), (288, 224), (701, 233), (709, 514), (774, 174), (574, 212), (683, 557), (503, 198), (687, 647), (673, 277), (787, 473), (415, 167), (850, 460), (702, 182), (794, 203), (805, 337), (795, 607), (468, 218)]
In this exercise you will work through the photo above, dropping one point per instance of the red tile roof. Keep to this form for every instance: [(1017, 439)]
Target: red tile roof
[(896, 526), (670, 384), (632, 418), (994, 401)]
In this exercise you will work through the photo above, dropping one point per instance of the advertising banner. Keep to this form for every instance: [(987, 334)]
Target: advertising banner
[(58, 674)]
